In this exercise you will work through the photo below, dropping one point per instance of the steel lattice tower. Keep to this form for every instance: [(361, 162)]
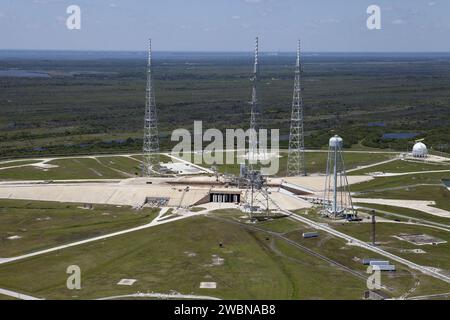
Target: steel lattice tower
[(296, 155), (337, 199), (151, 140), (254, 113)]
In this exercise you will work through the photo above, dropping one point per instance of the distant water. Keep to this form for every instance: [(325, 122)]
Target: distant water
[(23, 74), (400, 135), (89, 55), (376, 124)]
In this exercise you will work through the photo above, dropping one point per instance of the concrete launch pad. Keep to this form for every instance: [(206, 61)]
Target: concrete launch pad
[(180, 191)]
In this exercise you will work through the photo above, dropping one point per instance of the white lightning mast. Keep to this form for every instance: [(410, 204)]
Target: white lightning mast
[(254, 113), (151, 139), (296, 154)]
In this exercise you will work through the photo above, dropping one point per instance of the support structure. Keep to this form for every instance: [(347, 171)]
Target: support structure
[(296, 154), (337, 198), (254, 114), (373, 228), (150, 163), (256, 196)]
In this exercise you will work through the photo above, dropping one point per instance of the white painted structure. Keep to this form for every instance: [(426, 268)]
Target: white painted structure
[(419, 150), (337, 200)]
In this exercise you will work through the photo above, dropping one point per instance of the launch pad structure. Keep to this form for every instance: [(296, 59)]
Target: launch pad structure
[(256, 200)]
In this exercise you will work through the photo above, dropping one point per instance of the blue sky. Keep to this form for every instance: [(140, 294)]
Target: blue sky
[(227, 25)]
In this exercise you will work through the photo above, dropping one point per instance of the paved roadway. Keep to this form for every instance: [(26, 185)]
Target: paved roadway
[(160, 296), (17, 295)]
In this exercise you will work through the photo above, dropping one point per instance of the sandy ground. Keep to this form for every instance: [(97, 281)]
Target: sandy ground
[(131, 192), (317, 183), (102, 193)]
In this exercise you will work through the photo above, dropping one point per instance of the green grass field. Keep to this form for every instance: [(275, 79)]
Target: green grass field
[(400, 166), (336, 249), (437, 256), (119, 167), (256, 266), (158, 259), (316, 162), (42, 225), (101, 167), (76, 168), (408, 212), (380, 183), (126, 165), (441, 195), (17, 163)]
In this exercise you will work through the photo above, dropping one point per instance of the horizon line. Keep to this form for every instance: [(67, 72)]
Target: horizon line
[(215, 51)]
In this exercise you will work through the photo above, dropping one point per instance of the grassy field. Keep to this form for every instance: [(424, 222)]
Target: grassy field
[(316, 162), (126, 165), (158, 258), (178, 256), (381, 183), (101, 167), (398, 282), (336, 249), (440, 195), (400, 166), (408, 212), (43, 224), (119, 167), (76, 168), (437, 256), (17, 163)]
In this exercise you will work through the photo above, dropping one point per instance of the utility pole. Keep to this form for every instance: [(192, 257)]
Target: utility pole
[(373, 227)]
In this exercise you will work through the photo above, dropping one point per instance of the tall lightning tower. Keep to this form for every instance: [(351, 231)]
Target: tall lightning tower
[(296, 154), (151, 140), (254, 113)]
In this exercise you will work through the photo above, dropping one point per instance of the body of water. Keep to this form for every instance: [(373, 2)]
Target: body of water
[(400, 135), (15, 73)]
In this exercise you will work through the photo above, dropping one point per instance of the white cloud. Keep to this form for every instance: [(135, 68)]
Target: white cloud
[(432, 3), (253, 1), (235, 17), (113, 5)]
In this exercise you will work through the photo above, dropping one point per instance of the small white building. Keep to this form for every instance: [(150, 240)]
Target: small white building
[(420, 150)]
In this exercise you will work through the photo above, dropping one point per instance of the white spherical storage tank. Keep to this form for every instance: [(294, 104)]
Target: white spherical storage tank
[(336, 141), (419, 150)]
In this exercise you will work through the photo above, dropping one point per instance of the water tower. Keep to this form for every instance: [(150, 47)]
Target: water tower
[(337, 200)]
